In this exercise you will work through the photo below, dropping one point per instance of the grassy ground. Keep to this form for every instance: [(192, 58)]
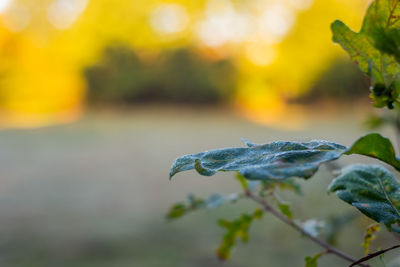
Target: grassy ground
[(94, 193)]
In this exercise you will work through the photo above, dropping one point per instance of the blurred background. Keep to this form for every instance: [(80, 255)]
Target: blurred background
[(98, 97)]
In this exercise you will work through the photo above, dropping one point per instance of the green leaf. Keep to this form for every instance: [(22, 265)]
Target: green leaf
[(372, 190), (382, 22), (376, 49), (313, 261), (277, 160), (361, 50), (236, 229), (376, 146), (284, 207), (194, 203), (243, 182), (287, 184)]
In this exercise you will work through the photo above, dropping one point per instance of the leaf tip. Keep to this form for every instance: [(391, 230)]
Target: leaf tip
[(247, 142)]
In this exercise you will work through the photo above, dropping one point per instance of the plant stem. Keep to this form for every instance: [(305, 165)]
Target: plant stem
[(397, 128), (283, 218)]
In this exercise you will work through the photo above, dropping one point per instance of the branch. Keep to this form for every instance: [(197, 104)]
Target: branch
[(283, 218), (373, 255)]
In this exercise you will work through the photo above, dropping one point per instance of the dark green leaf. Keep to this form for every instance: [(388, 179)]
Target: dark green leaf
[(381, 23), (371, 189), (376, 146), (277, 160), (284, 207)]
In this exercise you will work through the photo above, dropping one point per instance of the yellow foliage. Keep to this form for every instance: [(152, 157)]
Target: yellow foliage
[(42, 54)]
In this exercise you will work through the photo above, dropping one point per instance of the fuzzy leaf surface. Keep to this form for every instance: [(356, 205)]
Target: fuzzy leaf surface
[(372, 189), (277, 160)]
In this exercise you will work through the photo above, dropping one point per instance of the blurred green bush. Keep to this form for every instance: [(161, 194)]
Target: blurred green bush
[(341, 82), (179, 76)]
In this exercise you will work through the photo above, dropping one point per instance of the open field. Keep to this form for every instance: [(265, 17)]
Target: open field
[(94, 193)]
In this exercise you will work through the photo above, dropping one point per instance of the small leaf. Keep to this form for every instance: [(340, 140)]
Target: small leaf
[(371, 189), (313, 261), (369, 236), (258, 213), (236, 229), (177, 210), (283, 206), (277, 160), (247, 142), (285, 209), (287, 184), (243, 182), (376, 146), (195, 203)]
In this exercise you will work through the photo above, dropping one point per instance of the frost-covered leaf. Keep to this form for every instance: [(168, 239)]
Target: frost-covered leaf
[(376, 146), (277, 160), (371, 189)]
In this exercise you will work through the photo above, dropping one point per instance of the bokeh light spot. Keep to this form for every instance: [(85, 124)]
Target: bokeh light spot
[(168, 19), (223, 24), (275, 23), (260, 54), (63, 13), (16, 17), (4, 4)]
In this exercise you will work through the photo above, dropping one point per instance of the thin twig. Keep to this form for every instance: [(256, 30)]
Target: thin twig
[(373, 255), (283, 218)]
